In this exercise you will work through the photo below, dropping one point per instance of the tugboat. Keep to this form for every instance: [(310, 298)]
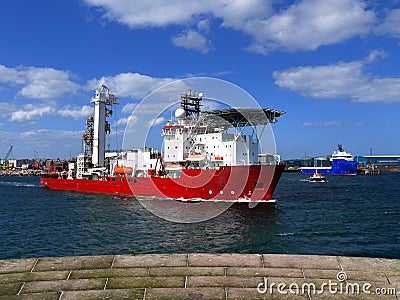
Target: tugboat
[(206, 156), (316, 177)]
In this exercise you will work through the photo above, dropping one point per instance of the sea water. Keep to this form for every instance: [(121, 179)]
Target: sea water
[(355, 216)]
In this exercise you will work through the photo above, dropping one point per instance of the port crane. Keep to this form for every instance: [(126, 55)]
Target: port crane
[(4, 163)]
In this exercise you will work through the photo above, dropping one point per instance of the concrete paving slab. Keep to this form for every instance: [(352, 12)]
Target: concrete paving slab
[(329, 296), (253, 294), (369, 264), (122, 294), (63, 285), (76, 262), (222, 281), (265, 272), (301, 261), (145, 282), (17, 265), (294, 284), (225, 260), (9, 288), (150, 260), (371, 288), (354, 290), (34, 296), (351, 275), (33, 276), (187, 271), (185, 293), (109, 273), (393, 279)]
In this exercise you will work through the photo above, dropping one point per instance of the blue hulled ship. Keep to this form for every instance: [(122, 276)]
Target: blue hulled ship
[(342, 163)]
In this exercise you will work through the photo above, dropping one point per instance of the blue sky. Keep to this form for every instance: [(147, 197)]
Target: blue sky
[(332, 65)]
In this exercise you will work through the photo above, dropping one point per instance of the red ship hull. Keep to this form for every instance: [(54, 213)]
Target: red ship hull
[(250, 183)]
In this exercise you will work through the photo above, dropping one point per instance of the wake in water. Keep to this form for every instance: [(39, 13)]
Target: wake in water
[(19, 184), (285, 234), (307, 180)]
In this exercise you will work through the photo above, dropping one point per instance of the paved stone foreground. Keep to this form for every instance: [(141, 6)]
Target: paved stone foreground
[(199, 276)]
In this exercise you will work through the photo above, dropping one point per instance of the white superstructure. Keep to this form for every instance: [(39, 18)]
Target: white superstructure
[(341, 154), (213, 139)]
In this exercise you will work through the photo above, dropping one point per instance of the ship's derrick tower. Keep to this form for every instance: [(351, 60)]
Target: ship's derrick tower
[(101, 100), (87, 137)]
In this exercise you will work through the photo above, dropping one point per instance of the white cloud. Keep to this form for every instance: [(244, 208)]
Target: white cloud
[(128, 120), (305, 25), (191, 39), (31, 112), (155, 107), (159, 13), (340, 80), (10, 75), (156, 121), (49, 85), (39, 83), (48, 143), (7, 108), (129, 108), (384, 90), (391, 24), (374, 55), (332, 81), (307, 124), (27, 112), (76, 112), (38, 134), (309, 24), (129, 84), (203, 25), (334, 123), (258, 48), (238, 13), (156, 13)]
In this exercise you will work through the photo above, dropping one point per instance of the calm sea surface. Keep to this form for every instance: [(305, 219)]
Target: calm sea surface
[(357, 216)]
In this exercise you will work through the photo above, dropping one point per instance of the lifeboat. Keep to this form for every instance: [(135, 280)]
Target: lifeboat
[(122, 170), (172, 166), (196, 157)]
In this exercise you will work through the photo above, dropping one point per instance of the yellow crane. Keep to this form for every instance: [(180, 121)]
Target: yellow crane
[(4, 163)]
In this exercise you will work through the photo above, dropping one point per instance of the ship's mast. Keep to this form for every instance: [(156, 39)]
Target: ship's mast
[(190, 102), (101, 100)]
